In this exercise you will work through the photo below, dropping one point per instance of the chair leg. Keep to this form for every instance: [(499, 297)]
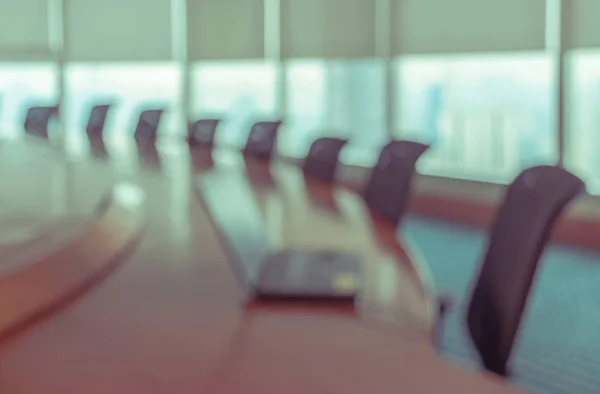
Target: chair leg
[(445, 303), (439, 326)]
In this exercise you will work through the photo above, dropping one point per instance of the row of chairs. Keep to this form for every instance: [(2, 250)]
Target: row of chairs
[(531, 206), (261, 140), (517, 238), (37, 121)]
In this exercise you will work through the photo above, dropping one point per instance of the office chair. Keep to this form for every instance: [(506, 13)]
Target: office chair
[(262, 140), (146, 131), (202, 132), (322, 159), (96, 121), (37, 120), (389, 184), (95, 130), (531, 206)]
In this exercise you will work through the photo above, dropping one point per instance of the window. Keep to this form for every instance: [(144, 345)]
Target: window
[(25, 28), (582, 150), (334, 84), (23, 85), (118, 30), (240, 93), (487, 117), (338, 99), (129, 88)]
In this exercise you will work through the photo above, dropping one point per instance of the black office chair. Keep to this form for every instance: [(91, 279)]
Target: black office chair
[(96, 121), (322, 159), (389, 184), (262, 140), (202, 132), (518, 236), (146, 131), (37, 120), (95, 130)]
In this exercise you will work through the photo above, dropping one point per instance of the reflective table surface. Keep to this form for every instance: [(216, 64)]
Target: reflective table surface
[(172, 318)]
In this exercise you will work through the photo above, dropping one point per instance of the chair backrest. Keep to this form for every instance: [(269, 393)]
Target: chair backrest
[(147, 126), (202, 132), (37, 120), (389, 184), (262, 140), (322, 159), (96, 121), (531, 206)]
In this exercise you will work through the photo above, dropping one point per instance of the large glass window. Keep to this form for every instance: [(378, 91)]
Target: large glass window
[(129, 88), (582, 150), (23, 85), (335, 98), (239, 93), (486, 116)]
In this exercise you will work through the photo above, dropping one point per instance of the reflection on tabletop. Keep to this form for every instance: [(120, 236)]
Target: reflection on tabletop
[(322, 217), (174, 315)]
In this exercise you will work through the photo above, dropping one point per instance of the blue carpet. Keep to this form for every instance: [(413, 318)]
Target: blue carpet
[(557, 350)]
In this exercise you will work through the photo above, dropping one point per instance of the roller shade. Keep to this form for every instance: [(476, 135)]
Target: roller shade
[(24, 27), (328, 28), (582, 23), (118, 30), (445, 26), (226, 29)]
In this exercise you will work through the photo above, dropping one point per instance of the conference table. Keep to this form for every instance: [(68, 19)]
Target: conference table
[(173, 319)]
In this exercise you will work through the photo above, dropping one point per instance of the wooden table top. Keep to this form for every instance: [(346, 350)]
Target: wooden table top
[(173, 319)]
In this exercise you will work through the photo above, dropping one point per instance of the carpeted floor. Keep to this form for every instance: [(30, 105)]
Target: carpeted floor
[(558, 349)]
